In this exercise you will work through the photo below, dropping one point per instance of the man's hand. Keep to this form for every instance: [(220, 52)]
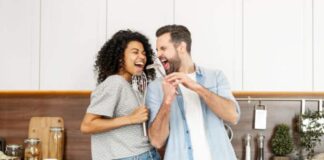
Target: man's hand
[(169, 90), (178, 77), (222, 107)]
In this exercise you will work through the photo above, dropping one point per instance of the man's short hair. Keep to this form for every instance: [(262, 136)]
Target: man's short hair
[(179, 33)]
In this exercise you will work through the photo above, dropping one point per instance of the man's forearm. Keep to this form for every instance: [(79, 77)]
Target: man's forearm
[(159, 130), (222, 107)]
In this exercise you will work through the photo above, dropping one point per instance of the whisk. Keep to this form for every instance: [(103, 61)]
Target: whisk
[(157, 67), (139, 85)]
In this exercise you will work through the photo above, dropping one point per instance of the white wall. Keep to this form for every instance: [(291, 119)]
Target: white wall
[(277, 52), (71, 33), (318, 45), (216, 28), (260, 45), (19, 44), (144, 16)]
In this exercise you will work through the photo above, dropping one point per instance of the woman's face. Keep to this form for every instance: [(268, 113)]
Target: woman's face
[(134, 60)]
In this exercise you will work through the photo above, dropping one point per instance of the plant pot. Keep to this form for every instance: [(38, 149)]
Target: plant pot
[(280, 158)]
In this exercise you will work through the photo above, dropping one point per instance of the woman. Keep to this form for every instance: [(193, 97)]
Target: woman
[(114, 117)]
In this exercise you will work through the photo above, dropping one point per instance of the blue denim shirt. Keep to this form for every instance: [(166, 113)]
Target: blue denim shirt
[(178, 145)]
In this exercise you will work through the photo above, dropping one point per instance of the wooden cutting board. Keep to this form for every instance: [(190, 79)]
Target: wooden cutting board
[(39, 127)]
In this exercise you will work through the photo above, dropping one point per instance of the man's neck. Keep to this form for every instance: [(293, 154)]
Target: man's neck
[(187, 65)]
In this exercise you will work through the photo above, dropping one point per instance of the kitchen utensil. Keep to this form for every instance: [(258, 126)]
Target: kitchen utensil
[(139, 85)]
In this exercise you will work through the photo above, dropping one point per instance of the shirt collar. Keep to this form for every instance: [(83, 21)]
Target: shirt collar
[(198, 70)]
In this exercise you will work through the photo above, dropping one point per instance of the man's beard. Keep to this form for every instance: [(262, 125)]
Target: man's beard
[(174, 64)]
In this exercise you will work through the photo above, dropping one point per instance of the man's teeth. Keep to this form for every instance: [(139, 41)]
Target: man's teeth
[(164, 61)]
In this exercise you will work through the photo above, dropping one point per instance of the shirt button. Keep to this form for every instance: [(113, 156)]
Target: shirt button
[(187, 132), (189, 148)]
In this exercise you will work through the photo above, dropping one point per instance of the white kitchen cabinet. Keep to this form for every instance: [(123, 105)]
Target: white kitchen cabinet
[(19, 44), (261, 45), (145, 16), (277, 45), (318, 45), (72, 33), (216, 29)]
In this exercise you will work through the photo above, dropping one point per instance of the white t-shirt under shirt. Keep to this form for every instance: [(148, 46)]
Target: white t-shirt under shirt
[(195, 122)]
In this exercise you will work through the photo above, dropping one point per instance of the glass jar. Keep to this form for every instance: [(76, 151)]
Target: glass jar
[(56, 140), (14, 150), (32, 149)]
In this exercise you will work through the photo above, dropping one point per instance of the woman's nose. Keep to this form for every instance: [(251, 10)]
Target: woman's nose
[(142, 56)]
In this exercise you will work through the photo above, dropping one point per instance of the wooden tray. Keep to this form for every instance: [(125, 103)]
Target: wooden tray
[(39, 127)]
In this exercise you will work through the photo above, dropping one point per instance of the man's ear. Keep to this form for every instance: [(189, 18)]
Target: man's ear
[(183, 46)]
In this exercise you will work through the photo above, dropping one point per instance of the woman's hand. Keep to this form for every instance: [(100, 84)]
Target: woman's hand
[(139, 115)]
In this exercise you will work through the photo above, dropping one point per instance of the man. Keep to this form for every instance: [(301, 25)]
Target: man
[(188, 106)]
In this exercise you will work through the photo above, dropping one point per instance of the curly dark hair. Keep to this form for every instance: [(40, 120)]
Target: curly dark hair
[(111, 56)]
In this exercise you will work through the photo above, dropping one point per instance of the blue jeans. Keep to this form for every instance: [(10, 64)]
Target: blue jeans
[(149, 155)]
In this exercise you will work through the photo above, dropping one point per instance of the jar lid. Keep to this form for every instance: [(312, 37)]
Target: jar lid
[(14, 146), (56, 129), (32, 140)]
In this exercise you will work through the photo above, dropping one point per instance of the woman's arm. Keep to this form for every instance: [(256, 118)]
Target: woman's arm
[(93, 123)]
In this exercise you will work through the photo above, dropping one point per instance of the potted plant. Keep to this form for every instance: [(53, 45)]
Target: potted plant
[(281, 142), (311, 131)]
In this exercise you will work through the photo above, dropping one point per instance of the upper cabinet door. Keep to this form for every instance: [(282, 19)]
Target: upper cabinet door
[(277, 50), (145, 16), (216, 29), (19, 44), (318, 45), (71, 35)]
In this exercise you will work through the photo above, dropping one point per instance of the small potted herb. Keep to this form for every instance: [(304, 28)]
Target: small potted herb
[(281, 142)]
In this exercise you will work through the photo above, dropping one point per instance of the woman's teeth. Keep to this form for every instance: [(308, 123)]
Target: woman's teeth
[(139, 64)]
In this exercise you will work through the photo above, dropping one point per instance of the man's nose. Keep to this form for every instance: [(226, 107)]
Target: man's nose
[(159, 54)]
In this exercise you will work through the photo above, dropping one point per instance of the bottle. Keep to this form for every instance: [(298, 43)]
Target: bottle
[(2, 144), (32, 149), (56, 141), (248, 147), (260, 147), (14, 150)]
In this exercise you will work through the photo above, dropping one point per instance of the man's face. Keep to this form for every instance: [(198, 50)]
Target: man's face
[(168, 54)]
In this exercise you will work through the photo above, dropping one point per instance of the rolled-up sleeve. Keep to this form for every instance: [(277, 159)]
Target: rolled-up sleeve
[(104, 99), (224, 89)]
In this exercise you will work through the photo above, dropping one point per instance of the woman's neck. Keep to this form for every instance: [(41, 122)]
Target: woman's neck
[(127, 76)]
